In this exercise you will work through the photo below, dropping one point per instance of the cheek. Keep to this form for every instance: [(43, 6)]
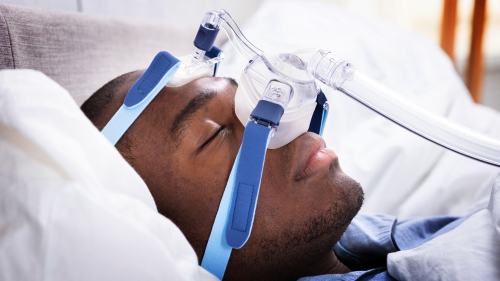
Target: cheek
[(202, 187), (194, 198), (278, 197), (199, 184), (285, 203)]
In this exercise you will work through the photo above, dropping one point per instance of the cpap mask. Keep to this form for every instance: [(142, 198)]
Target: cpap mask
[(278, 99)]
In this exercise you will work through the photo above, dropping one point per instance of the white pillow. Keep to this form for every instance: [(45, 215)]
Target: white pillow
[(71, 208), (469, 252)]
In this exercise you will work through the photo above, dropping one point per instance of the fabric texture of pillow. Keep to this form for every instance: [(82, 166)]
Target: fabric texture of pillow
[(83, 52)]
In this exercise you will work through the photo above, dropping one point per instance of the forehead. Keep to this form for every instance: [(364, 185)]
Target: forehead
[(166, 107), (185, 93), (176, 99)]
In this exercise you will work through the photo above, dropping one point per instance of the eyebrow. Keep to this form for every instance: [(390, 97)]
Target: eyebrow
[(199, 102)]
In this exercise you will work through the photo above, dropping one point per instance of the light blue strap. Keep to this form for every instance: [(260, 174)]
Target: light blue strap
[(141, 94), (247, 184), (217, 252), (323, 121)]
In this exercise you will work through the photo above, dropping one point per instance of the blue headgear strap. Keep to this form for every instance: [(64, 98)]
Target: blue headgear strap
[(256, 139), (247, 184), (320, 114), (234, 220), (237, 207), (143, 91)]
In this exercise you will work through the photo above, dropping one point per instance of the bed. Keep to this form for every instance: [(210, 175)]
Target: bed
[(401, 174)]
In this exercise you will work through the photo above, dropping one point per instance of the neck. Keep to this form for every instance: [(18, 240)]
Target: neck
[(329, 264)]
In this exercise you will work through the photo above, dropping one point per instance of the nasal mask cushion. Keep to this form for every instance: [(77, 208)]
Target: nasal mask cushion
[(298, 115)]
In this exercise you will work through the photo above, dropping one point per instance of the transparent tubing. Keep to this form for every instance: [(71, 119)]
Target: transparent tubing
[(239, 41), (342, 76), (432, 127)]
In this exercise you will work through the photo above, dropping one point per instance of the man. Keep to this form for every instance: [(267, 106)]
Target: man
[(184, 145)]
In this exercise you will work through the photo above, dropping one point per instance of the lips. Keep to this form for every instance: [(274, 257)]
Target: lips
[(319, 157)]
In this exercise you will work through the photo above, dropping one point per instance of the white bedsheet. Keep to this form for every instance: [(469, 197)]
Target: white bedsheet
[(71, 208), (401, 173), (469, 252)]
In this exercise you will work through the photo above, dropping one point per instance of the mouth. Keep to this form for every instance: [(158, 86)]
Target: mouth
[(319, 158)]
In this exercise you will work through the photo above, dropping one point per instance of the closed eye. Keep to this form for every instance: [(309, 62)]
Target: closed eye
[(207, 142)]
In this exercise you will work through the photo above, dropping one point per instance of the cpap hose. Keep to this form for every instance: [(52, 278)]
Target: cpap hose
[(342, 76)]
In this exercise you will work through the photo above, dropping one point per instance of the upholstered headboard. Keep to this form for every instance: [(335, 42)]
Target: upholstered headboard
[(83, 52)]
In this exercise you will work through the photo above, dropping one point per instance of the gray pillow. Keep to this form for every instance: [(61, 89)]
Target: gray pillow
[(83, 52)]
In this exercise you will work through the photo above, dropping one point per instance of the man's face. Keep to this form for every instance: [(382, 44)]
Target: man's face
[(184, 145)]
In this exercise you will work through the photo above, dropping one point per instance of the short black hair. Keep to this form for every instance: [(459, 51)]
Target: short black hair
[(95, 105)]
